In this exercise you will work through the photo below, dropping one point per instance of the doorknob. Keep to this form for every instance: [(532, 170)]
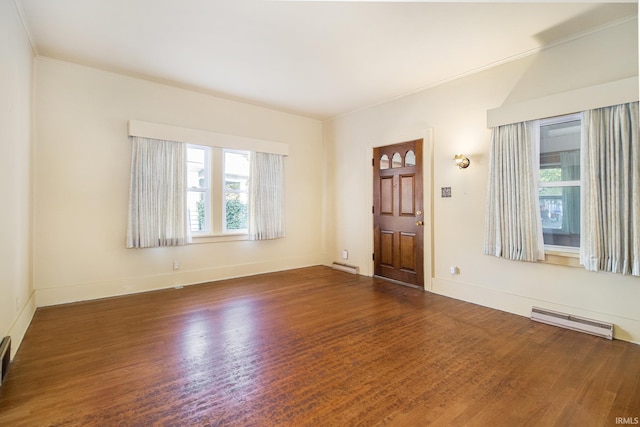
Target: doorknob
[(419, 222)]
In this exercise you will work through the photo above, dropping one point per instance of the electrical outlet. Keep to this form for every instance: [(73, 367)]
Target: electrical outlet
[(176, 265)]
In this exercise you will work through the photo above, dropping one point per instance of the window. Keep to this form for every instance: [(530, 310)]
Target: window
[(585, 178), (198, 188), (217, 190), (397, 161), (236, 194), (559, 143)]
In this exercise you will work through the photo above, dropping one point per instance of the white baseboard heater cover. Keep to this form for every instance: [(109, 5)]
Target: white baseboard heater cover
[(568, 321), (345, 267)]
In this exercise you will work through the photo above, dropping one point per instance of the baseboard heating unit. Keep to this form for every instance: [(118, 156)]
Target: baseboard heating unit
[(5, 355), (568, 321), (345, 267)]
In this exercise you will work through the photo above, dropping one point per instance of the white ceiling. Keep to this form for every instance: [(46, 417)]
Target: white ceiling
[(317, 59)]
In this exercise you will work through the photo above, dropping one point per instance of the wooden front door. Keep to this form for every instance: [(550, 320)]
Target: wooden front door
[(398, 212)]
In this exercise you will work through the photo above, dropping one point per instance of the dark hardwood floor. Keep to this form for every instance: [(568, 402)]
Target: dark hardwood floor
[(311, 347)]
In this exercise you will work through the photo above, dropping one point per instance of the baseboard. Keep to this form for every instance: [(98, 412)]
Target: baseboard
[(21, 324), (132, 285), (347, 268), (625, 329)]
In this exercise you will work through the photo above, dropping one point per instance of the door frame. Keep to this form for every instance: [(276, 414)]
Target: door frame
[(427, 196)]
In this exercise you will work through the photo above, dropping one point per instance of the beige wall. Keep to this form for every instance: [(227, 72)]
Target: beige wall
[(455, 112), (16, 70), (83, 162)]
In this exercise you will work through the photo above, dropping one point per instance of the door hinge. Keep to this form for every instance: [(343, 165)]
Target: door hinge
[(373, 162), (373, 209), (373, 257)]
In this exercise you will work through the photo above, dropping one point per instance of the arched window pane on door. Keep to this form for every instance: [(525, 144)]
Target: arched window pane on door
[(384, 162), (396, 161), (410, 158)]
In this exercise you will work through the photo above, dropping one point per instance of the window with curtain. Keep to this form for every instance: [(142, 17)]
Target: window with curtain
[(266, 197), (588, 189), (178, 190), (611, 216), (157, 194), (512, 225)]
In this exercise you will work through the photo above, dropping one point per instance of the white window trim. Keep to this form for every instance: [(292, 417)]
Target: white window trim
[(203, 137), (559, 104), (218, 238)]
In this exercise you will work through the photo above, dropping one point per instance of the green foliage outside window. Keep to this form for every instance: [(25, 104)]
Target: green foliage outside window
[(550, 174), (236, 213), (200, 207)]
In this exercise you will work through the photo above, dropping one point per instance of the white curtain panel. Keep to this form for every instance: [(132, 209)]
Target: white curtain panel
[(157, 194), (266, 197), (513, 229), (611, 213)]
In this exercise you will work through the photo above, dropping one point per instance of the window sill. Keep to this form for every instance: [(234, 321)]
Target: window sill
[(556, 257), (219, 238)]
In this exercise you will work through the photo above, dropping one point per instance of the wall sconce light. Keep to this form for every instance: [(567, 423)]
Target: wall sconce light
[(462, 161)]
